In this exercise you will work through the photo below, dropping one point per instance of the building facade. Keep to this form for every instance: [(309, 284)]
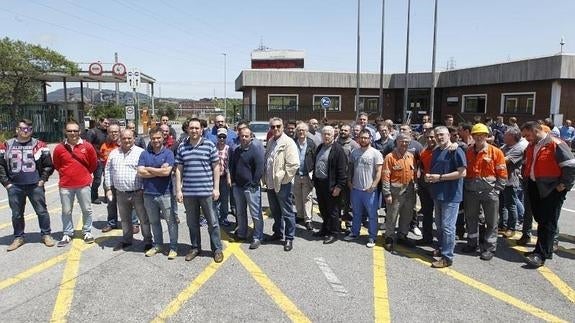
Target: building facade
[(527, 89)]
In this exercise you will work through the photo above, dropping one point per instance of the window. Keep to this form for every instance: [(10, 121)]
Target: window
[(282, 102), (474, 103), (518, 103), (369, 104), (335, 102)]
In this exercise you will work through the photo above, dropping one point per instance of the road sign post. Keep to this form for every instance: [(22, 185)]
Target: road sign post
[(325, 103), (134, 78)]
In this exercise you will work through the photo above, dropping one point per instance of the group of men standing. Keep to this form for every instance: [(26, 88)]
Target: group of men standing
[(204, 169)]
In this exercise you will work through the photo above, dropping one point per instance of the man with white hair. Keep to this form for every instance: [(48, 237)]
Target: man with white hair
[(329, 177)]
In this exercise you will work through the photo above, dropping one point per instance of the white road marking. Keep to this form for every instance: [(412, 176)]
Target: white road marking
[(332, 279), (568, 210)]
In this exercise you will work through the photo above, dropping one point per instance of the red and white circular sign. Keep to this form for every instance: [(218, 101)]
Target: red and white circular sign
[(119, 69), (96, 69)]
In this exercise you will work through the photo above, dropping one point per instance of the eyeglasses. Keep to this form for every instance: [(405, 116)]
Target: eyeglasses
[(72, 131), (277, 126), (25, 129), (222, 137)]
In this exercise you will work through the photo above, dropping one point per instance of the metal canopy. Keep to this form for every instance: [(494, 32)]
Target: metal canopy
[(84, 76)]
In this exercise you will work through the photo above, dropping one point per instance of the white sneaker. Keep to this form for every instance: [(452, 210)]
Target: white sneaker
[(65, 241), (416, 231), (370, 243), (88, 238)]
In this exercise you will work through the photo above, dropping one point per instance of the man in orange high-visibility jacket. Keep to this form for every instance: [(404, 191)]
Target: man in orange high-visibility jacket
[(549, 173), (486, 177)]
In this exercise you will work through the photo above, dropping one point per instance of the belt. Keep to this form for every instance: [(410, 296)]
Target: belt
[(130, 192)]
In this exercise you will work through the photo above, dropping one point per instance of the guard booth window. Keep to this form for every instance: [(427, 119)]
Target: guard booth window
[(369, 104), (282, 102), (474, 103), (518, 103)]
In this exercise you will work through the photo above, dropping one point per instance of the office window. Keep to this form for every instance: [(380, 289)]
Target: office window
[(518, 103), (369, 104), (335, 102), (282, 102), (474, 103)]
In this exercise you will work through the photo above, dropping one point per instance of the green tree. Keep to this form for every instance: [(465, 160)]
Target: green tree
[(20, 66), (108, 110), (166, 108)]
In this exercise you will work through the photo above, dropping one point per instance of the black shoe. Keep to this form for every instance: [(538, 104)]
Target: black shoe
[(255, 244), (235, 238), (406, 242), (535, 260), (122, 246), (528, 253), (148, 246), (388, 244), (423, 242), (96, 201), (192, 254), (524, 240), (288, 245), (486, 255), (275, 237), (320, 234), (469, 249), (330, 239), (309, 226)]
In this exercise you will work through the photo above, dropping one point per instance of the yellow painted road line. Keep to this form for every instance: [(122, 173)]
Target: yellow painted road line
[(27, 217), (47, 264), (555, 280), (69, 279), (284, 303), (502, 296), (176, 304), (32, 271), (380, 293)]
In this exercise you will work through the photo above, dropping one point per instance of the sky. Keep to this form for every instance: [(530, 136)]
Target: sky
[(181, 43)]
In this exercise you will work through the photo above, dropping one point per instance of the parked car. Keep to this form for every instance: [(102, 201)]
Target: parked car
[(260, 130)]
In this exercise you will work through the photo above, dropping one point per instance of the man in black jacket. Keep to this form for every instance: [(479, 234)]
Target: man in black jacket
[(302, 181), (96, 136), (329, 178), (25, 165)]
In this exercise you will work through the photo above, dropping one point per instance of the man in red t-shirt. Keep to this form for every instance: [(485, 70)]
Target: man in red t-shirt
[(75, 160)]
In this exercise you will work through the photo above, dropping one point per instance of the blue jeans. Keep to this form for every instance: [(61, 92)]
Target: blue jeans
[(192, 206), (67, 200), (221, 206), (520, 204), (508, 209), (161, 204), (445, 219), (282, 212), (17, 200), (364, 203), (249, 198)]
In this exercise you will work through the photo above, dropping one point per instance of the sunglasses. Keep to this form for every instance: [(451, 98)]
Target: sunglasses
[(222, 137), (72, 131), (278, 126), (25, 129)]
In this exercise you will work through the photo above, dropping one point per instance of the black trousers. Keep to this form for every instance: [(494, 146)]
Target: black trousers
[(546, 212), (329, 207)]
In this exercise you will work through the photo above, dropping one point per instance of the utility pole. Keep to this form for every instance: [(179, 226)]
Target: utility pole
[(117, 84), (381, 58), (432, 94), (357, 65), (406, 86), (225, 94)]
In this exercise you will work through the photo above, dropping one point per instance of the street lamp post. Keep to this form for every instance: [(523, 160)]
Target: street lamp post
[(357, 65), (225, 79)]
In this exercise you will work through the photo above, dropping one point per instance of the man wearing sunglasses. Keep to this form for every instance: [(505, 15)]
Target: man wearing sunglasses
[(25, 165)]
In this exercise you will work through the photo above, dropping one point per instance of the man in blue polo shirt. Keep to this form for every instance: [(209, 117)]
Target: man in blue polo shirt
[(197, 186), (448, 168), (155, 167)]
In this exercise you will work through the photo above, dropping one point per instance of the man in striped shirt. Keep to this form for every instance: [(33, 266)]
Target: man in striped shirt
[(197, 185)]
